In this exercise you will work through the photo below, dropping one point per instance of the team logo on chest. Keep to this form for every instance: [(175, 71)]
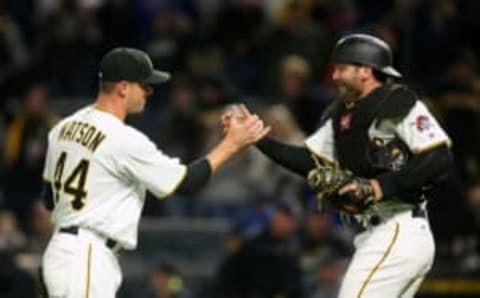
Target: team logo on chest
[(345, 122)]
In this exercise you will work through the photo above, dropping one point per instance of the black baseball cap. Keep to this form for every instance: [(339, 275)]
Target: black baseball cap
[(128, 64)]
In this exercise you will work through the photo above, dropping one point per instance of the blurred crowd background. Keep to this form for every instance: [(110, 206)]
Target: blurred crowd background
[(253, 232)]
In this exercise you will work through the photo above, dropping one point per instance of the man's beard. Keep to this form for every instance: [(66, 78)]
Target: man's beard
[(347, 93)]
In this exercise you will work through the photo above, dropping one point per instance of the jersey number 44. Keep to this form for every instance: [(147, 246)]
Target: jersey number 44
[(73, 184)]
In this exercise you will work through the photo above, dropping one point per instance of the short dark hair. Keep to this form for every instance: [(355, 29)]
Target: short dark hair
[(106, 86)]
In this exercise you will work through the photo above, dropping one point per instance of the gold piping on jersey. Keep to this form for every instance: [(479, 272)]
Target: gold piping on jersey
[(174, 188), (89, 261), (433, 146), (380, 262), (83, 134)]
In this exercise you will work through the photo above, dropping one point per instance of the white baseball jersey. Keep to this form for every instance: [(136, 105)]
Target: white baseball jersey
[(393, 255), (100, 168), (419, 130)]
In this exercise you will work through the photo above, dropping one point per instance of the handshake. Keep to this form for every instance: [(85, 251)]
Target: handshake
[(241, 127), (334, 186)]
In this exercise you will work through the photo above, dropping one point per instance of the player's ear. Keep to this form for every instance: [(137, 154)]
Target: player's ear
[(122, 88), (365, 72)]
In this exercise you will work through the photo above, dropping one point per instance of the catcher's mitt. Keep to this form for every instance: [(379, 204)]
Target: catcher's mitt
[(356, 200), (326, 181)]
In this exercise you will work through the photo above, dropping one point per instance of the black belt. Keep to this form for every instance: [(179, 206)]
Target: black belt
[(110, 243), (417, 212)]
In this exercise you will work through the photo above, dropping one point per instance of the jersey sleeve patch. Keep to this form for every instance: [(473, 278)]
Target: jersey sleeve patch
[(421, 131)]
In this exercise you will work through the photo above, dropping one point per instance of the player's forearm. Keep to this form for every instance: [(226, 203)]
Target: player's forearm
[(421, 170), (296, 159), (221, 153)]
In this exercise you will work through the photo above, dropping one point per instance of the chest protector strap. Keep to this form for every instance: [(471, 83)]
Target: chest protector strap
[(355, 151)]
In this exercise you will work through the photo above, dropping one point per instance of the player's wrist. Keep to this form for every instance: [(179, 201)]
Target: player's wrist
[(230, 145), (221, 153), (377, 189)]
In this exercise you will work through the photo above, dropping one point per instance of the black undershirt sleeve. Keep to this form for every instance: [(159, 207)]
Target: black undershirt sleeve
[(423, 169), (47, 195), (295, 158), (198, 174)]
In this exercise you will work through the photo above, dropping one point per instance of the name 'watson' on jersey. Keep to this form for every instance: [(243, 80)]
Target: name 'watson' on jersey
[(82, 133)]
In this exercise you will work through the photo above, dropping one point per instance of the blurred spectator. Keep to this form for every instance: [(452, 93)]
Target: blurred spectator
[(469, 22), (281, 185), (293, 32), (463, 69), (214, 93), (3, 122), (325, 251), (264, 264), (171, 34), (41, 228), (230, 190), (14, 56), (470, 264), (166, 282), (205, 61), (295, 79), (179, 132), (460, 115), (456, 102), (69, 43), (473, 203), (14, 281), (207, 11), (11, 237), (327, 278), (25, 147), (321, 239), (237, 30), (238, 22), (283, 123), (423, 27), (114, 19)]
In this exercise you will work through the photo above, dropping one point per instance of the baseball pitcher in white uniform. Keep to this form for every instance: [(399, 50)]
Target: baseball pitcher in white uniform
[(98, 170), (388, 151)]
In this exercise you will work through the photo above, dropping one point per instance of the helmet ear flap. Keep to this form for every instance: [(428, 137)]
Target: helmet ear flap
[(367, 50)]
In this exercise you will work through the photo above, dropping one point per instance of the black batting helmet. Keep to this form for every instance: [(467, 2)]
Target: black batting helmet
[(365, 50)]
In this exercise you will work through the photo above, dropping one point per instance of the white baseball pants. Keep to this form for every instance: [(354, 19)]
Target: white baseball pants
[(390, 259), (80, 266)]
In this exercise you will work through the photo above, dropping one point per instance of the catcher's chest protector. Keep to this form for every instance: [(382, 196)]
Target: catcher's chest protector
[(351, 124)]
